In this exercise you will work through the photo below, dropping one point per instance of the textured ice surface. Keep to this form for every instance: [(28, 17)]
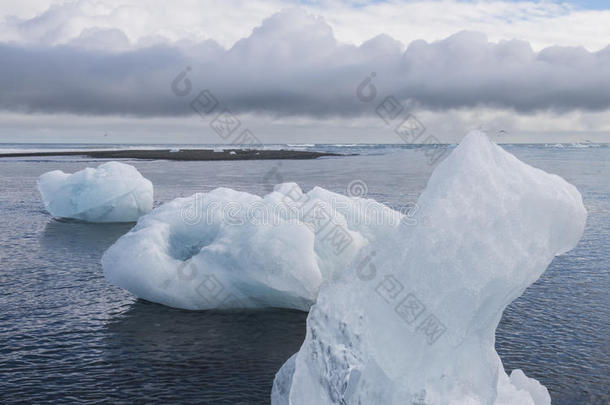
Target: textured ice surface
[(231, 249), (114, 192), (413, 319)]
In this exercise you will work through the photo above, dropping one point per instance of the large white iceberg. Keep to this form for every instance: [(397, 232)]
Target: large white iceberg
[(413, 319), (231, 249), (113, 192)]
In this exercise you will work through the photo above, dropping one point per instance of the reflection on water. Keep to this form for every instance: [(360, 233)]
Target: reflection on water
[(201, 356), (71, 234)]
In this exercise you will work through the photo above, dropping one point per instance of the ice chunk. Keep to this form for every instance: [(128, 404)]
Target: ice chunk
[(114, 192), (231, 249), (520, 390), (413, 319)]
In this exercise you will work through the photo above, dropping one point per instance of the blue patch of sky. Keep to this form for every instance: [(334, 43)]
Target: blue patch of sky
[(576, 4)]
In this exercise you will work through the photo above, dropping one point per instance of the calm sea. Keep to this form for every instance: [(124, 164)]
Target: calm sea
[(67, 336)]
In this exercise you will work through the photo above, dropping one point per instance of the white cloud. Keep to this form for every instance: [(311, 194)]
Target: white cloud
[(541, 23), (292, 65), (294, 76)]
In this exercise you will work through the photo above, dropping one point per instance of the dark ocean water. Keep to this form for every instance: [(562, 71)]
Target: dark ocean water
[(68, 336)]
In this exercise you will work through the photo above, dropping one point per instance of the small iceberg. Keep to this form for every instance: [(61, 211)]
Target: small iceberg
[(114, 192), (231, 249), (412, 320)]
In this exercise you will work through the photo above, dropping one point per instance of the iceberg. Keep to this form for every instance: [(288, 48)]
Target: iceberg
[(113, 192), (412, 319), (232, 249)]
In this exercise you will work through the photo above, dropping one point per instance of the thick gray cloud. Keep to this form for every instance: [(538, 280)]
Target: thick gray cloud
[(293, 65)]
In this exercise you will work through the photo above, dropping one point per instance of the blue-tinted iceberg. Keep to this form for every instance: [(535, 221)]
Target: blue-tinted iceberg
[(413, 318), (231, 249), (113, 192)]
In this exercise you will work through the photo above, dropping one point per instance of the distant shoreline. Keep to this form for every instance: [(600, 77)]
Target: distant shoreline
[(182, 154)]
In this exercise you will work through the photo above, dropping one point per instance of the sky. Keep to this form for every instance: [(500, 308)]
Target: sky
[(303, 71)]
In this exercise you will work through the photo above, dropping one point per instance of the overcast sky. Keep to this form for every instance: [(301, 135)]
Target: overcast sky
[(306, 72)]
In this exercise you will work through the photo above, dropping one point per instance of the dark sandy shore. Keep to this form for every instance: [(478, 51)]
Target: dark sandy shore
[(185, 154)]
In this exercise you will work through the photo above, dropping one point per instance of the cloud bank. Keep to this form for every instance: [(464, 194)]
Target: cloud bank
[(541, 22), (293, 65)]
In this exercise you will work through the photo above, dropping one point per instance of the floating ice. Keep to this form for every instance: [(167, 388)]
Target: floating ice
[(230, 249), (413, 319), (114, 192)]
